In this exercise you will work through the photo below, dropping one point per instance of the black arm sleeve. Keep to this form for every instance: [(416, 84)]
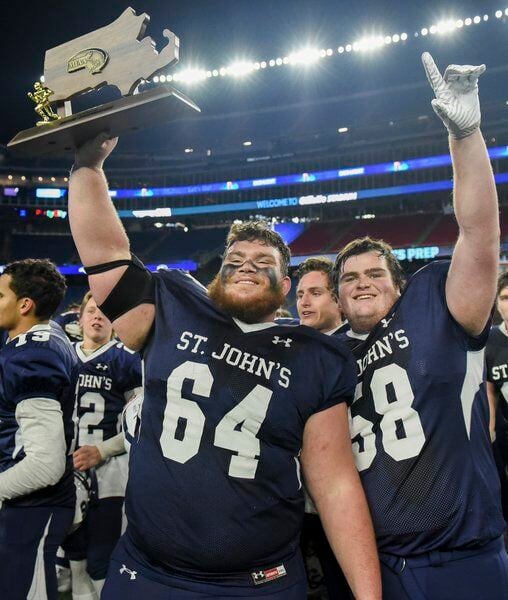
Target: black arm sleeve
[(135, 287)]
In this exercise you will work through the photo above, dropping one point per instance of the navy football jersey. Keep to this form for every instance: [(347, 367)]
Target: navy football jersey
[(419, 425), (214, 483), (107, 379), (69, 322), (497, 366), (38, 364)]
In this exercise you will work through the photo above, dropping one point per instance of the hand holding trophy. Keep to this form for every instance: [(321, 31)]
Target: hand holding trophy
[(116, 55)]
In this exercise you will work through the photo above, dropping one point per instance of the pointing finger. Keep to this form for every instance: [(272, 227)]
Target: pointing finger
[(433, 75)]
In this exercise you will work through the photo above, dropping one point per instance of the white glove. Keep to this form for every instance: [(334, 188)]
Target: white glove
[(456, 102)]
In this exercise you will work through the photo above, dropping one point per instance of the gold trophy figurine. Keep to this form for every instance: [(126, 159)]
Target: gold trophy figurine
[(43, 108)]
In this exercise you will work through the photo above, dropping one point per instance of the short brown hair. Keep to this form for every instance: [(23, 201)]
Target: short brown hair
[(502, 282), (367, 244), (321, 264), (250, 231)]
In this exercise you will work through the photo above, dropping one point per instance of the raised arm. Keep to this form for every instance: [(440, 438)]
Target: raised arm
[(100, 237), (334, 484), (471, 283)]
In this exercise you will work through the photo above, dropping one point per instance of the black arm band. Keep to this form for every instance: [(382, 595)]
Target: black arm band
[(135, 287), (103, 267)]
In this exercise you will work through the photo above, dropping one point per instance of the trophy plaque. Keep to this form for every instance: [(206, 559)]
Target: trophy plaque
[(116, 55)]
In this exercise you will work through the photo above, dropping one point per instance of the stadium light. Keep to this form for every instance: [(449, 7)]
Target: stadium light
[(240, 68), (445, 26), (342, 130), (499, 14), (247, 143), (188, 150), (190, 76), (369, 43)]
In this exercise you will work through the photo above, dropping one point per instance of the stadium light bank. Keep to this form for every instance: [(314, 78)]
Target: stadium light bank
[(308, 56)]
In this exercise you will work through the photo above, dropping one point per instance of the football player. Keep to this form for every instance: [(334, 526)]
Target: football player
[(316, 299), (497, 387), (37, 384), (109, 376), (420, 419), (233, 405), (318, 307)]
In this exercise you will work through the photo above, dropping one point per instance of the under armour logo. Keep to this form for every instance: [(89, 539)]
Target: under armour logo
[(260, 577), (132, 574), (101, 367), (279, 340), (386, 322)]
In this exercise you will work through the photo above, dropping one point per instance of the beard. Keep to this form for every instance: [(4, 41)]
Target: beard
[(248, 310)]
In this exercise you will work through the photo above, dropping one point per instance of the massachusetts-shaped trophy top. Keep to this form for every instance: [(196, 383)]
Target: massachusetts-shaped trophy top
[(116, 55)]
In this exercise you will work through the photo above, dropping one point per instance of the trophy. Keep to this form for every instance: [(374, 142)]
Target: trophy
[(116, 55)]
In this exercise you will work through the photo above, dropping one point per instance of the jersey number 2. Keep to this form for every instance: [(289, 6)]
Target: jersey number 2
[(184, 421), (89, 430), (396, 417)]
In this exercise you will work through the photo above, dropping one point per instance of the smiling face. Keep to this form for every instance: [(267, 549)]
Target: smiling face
[(97, 328), (366, 290), (317, 306), (250, 284)]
